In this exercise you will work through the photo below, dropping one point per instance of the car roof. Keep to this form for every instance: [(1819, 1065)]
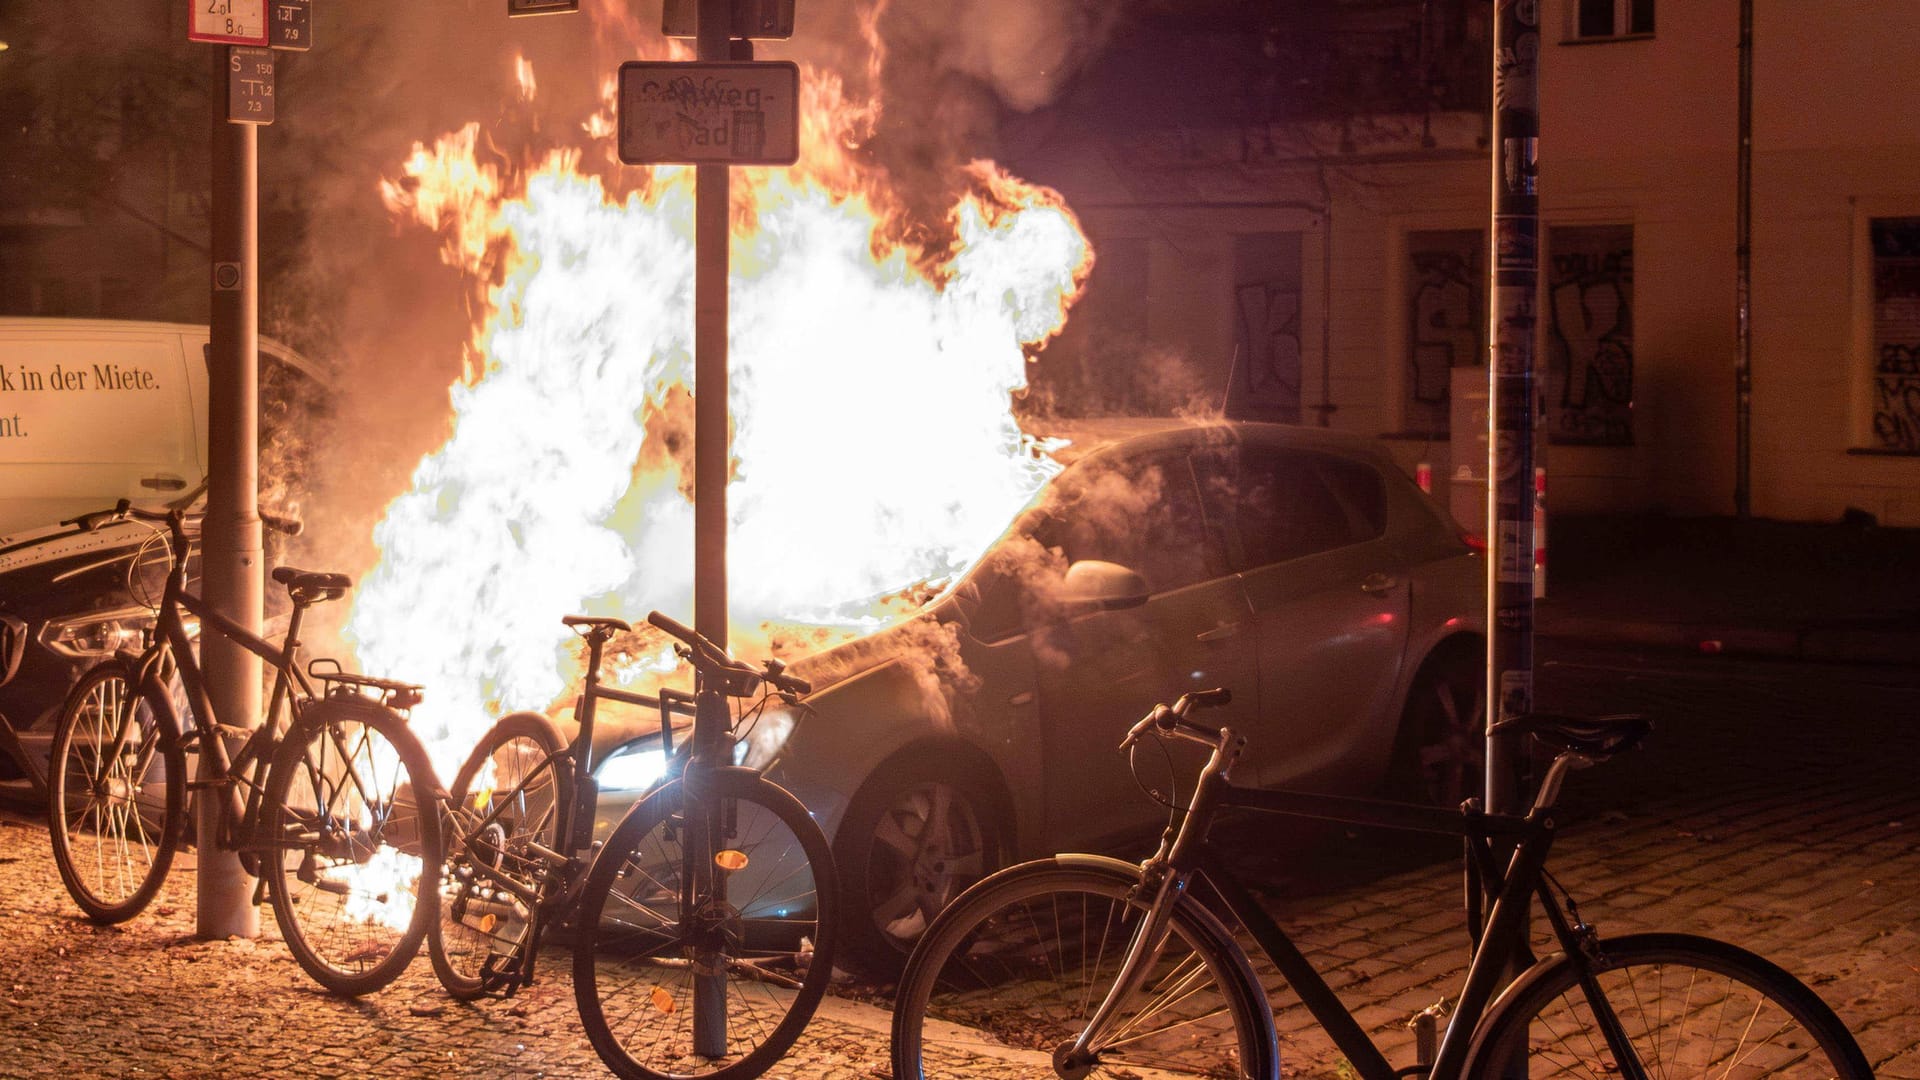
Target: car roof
[(1084, 437)]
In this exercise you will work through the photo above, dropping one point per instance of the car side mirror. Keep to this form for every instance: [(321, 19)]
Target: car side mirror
[(1104, 585)]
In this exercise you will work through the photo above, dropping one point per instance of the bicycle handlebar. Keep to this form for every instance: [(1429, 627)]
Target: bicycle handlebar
[(1172, 719), (708, 656)]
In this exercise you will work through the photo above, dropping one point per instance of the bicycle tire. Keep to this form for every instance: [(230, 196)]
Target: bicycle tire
[(523, 787), (996, 986), (351, 829), (114, 828), (766, 951), (1690, 1006)]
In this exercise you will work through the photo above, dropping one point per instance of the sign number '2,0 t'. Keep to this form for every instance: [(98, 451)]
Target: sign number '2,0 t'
[(233, 22)]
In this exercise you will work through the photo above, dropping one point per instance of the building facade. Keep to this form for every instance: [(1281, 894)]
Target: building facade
[(1331, 267)]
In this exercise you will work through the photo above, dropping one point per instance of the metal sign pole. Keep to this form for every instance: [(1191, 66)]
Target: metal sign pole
[(712, 190), (230, 541)]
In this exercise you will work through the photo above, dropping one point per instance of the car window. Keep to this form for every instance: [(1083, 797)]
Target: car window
[(1141, 512), (1286, 504), (1358, 488)]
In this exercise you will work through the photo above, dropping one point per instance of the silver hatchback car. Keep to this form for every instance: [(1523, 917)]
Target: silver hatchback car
[(1298, 567)]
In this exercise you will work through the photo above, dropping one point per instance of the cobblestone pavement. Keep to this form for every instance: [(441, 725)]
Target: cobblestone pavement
[(1777, 808)]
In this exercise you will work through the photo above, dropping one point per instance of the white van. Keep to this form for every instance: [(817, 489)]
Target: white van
[(93, 411)]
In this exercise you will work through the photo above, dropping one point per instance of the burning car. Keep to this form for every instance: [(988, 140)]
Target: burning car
[(1299, 567)]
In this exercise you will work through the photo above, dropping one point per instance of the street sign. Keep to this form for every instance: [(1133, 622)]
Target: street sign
[(541, 7), (290, 24), (227, 22), (249, 85), (709, 112), (765, 20)]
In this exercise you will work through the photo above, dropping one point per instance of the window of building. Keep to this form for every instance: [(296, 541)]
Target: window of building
[(1446, 320), (1267, 299), (1099, 364), (1612, 18), (1896, 333), (1589, 361)]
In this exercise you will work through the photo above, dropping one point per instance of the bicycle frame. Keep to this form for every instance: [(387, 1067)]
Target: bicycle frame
[(1495, 943), (575, 826), (172, 642)]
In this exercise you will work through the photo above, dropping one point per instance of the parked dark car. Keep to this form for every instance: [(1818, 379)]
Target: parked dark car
[(1298, 567)]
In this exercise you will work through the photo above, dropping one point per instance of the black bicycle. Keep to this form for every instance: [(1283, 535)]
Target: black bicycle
[(702, 929), (323, 800), (1079, 966)]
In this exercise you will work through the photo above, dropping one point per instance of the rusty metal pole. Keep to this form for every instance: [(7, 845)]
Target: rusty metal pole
[(1743, 281), (711, 452), (230, 542), (1512, 393)]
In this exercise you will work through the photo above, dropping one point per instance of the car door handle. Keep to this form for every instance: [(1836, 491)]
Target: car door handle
[(1378, 582), (1219, 633)]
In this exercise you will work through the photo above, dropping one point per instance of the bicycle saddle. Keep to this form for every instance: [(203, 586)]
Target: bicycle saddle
[(595, 622), (312, 586), (1590, 736)]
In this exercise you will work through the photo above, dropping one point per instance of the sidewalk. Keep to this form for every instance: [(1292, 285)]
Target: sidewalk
[(1823, 592)]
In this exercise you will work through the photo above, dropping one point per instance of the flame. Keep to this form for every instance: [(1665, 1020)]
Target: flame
[(872, 376)]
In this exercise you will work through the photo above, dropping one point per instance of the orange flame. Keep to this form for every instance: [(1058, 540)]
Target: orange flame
[(874, 449)]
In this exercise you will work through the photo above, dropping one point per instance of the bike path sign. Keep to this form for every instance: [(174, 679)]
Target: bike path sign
[(709, 112)]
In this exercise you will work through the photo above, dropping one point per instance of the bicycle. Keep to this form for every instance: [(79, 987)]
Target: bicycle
[(322, 801), (702, 928), (1078, 965)]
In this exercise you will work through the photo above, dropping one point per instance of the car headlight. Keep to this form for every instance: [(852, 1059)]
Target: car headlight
[(767, 738), (96, 634), (637, 766)]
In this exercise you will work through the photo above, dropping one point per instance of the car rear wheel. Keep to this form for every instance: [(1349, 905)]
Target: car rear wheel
[(1441, 756), (913, 840)]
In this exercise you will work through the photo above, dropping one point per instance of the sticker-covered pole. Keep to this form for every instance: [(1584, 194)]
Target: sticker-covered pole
[(1512, 392)]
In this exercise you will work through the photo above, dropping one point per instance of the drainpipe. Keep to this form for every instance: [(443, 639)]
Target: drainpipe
[(1743, 282)]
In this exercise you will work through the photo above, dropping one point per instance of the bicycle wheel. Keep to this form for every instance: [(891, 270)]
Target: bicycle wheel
[(1010, 975), (116, 795), (706, 930), (1688, 1006), (506, 796), (353, 831)]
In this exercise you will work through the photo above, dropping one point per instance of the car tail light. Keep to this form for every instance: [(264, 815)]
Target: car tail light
[(1474, 541)]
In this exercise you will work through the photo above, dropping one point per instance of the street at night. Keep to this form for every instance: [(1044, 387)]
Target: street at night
[(701, 539)]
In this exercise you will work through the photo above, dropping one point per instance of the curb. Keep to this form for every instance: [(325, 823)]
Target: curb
[(1826, 644)]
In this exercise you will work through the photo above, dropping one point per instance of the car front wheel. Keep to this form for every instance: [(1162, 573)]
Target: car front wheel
[(913, 839)]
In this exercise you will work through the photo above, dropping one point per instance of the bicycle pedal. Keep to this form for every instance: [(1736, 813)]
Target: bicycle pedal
[(500, 976)]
